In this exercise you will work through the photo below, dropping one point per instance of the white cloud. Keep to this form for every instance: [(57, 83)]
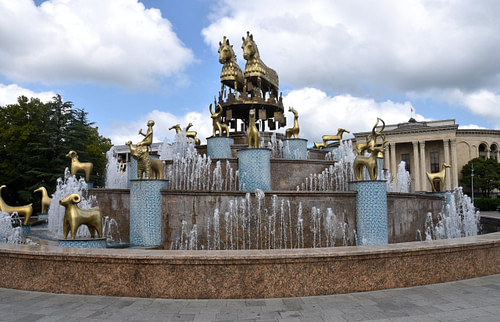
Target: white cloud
[(10, 93), (470, 126), (104, 41), (320, 114), (121, 132), (355, 46)]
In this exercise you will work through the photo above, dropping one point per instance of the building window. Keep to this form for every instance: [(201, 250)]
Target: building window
[(406, 158), (483, 151), (435, 162)]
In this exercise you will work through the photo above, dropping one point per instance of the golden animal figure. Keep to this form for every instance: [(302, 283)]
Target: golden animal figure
[(157, 171), (295, 129), (77, 166), (148, 137), (140, 153), (192, 134), (74, 217), (441, 176), (371, 140), (231, 74), (257, 74), (328, 138), (25, 211), (216, 124), (252, 133), (45, 199), (369, 162)]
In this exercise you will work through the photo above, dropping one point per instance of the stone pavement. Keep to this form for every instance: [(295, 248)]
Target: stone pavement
[(476, 299)]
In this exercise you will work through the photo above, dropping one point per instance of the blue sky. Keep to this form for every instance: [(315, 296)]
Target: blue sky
[(341, 63)]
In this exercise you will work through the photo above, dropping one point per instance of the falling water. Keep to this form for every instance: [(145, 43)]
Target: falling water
[(458, 218), (114, 179), (276, 147), (11, 231)]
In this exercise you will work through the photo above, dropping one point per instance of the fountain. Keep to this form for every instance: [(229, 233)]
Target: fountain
[(213, 236)]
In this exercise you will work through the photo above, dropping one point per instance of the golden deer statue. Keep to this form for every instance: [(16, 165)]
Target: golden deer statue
[(189, 134), (77, 166), (295, 129), (370, 139), (25, 211), (441, 175), (252, 133), (369, 162), (217, 125), (327, 138), (45, 199)]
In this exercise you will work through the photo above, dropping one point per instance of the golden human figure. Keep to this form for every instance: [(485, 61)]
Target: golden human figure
[(148, 137)]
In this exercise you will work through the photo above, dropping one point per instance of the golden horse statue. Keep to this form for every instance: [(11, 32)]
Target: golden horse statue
[(231, 74), (441, 175), (257, 74), (327, 138), (217, 125), (295, 129), (252, 133), (25, 211)]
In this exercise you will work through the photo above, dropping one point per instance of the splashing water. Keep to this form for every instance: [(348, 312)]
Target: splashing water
[(10, 234), (114, 180)]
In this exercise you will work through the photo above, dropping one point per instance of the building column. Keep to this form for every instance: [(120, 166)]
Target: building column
[(447, 182), (387, 161), (454, 164), (488, 153), (416, 168), (423, 168), (394, 167)]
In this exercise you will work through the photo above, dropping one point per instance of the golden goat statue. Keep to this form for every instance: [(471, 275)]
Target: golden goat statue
[(441, 175), (327, 138), (25, 211), (74, 217), (77, 166), (45, 199), (189, 134)]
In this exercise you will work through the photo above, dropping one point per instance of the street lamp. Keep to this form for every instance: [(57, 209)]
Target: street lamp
[(472, 180)]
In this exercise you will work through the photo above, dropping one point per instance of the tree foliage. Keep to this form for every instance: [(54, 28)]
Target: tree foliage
[(34, 140), (486, 175)]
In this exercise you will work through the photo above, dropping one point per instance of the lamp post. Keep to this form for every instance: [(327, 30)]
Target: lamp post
[(472, 180)]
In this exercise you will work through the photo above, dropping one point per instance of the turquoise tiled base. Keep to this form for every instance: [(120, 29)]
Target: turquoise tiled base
[(83, 243), (26, 230), (254, 166), (219, 147), (145, 212), (131, 171), (295, 149), (371, 212)]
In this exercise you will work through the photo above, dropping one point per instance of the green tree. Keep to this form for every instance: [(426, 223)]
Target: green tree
[(34, 140), (486, 175)]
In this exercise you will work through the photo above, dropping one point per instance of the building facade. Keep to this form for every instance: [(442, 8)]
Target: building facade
[(425, 146)]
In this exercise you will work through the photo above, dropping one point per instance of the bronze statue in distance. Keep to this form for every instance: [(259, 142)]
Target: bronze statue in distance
[(262, 78), (74, 217), (253, 136), (369, 162), (217, 125), (45, 199), (148, 137), (25, 211), (372, 147), (328, 138), (441, 175), (231, 74), (295, 129), (77, 166), (189, 134), (146, 166)]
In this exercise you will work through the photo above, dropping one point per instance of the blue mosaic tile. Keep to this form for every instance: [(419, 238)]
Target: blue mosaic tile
[(145, 212), (83, 243), (131, 171), (254, 167), (219, 147), (295, 149), (26, 230), (371, 212)]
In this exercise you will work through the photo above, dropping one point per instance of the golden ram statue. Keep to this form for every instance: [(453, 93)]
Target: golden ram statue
[(25, 211), (77, 166), (74, 217)]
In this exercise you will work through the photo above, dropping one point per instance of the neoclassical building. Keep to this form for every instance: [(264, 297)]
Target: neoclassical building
[(425, 146)]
